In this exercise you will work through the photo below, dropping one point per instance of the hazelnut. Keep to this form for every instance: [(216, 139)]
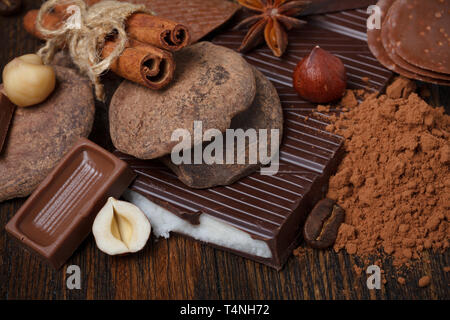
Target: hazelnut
[(120, 227), (320, 77), (27, 81)]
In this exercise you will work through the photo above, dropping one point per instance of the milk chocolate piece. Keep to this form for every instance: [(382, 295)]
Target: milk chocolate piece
[(6, 113), (58, 216), (273, 208)]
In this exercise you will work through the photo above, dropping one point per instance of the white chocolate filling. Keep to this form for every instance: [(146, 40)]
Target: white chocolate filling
[(210, 229)]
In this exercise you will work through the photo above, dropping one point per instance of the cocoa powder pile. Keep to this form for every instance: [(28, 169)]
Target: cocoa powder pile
[(394, 181)]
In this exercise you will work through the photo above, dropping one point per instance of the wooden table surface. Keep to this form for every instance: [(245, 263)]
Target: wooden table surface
[(181, 268)]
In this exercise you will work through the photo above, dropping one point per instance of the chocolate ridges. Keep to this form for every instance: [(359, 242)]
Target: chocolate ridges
[(273, 208), (58, 216), (351, 23), (325, 6), (353, 51)]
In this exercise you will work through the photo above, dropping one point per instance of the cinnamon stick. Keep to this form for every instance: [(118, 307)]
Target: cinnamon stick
[(139, 62), (143, 64), (162, 33)]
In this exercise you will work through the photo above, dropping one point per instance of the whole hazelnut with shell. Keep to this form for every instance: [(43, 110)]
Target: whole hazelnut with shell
[(320, 77)]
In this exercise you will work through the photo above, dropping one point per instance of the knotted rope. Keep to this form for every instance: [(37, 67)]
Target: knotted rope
[(84, 33)]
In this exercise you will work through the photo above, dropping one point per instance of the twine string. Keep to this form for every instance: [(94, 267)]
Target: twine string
[(84, 34)]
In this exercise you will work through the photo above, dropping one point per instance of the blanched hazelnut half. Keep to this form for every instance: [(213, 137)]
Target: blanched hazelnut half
[(120, 227), (27, 81)]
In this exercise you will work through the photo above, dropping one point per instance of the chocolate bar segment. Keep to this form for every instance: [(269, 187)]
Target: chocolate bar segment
[(350, 23), (59, 214), (270, 210), (326, 6), (6, 113)]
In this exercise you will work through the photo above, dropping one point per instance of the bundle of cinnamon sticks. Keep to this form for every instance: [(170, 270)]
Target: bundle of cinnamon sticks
[(147, 59)]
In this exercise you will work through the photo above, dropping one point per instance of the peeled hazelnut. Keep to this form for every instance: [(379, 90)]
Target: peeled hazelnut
[(320, 77), (27, 81), (120, 227)]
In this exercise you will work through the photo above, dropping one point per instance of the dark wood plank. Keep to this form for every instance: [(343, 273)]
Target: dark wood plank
[(180, 268)]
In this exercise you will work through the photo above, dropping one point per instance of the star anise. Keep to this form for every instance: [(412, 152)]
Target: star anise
[(275, 18)]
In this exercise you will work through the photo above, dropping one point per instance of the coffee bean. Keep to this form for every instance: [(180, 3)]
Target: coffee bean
[(322, 225), (9, 7)]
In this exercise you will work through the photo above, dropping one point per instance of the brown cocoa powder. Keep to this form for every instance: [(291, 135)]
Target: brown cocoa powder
[(424, 281), (394, 181), (300, 253)]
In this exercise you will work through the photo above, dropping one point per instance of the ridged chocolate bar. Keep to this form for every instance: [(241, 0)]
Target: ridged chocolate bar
[(325, 6), (273, 208), (352, 23)]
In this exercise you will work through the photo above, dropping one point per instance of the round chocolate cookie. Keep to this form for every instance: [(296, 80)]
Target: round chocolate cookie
[(264, 113), (393, 48), (390, 58), (420, 31), (212, 84), (374, 37), (41, 135), (377, 40)]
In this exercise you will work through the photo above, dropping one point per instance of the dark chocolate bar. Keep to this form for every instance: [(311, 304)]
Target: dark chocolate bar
[(350, 23), (59, 214), (273, 208), (6, 113), (326, 6)]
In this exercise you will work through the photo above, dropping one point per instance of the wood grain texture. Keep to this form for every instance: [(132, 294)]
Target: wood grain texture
[(180, 268)]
